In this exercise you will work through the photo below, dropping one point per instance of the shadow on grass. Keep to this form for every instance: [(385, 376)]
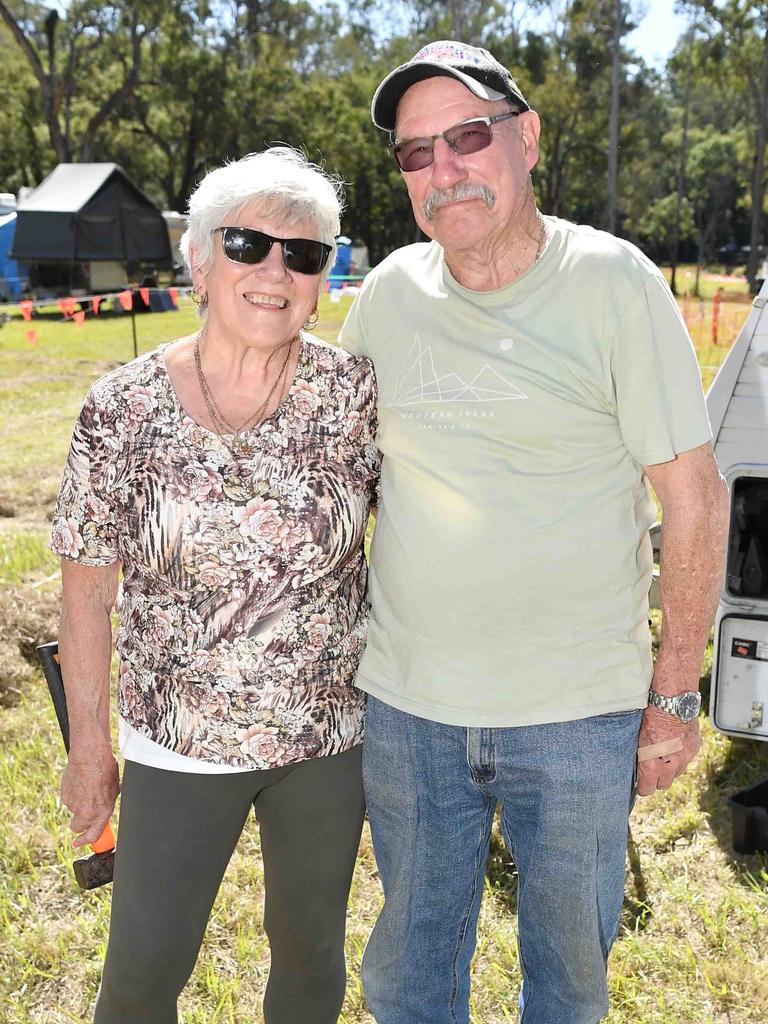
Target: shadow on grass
[(745, 763), (501, 871), (636, 911)]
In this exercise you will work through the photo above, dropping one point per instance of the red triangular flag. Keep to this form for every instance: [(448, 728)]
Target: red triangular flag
[(71, 303), (144, 293), (125, 299), (174, 293), (26, 309), (95, 303), (79, 317), (32, 337), (63, 307)]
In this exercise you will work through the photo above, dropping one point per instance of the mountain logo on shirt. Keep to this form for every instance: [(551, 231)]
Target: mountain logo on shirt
[(420, 382)]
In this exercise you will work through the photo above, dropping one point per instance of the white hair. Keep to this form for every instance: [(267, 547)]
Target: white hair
[(282, 182)]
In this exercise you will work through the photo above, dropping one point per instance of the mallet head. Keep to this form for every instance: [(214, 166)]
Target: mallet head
[(94, 870)]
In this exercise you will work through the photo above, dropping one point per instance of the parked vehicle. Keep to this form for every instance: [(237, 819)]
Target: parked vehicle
[(738, 410)]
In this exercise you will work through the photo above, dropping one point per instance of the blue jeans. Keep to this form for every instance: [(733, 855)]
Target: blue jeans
[(565, 791)]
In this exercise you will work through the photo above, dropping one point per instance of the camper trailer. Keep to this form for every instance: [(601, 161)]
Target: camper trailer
[(88, 227), (738, 410)]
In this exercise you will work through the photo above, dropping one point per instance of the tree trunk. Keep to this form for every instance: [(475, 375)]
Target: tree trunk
[(756, 229), (457, 19), (47, 82), (613, 123), (683, 156)]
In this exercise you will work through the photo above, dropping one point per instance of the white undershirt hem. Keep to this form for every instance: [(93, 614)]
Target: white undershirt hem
[(134, 746)]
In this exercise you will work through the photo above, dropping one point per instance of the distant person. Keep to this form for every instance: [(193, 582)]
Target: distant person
[(533, 376), (229, 476)]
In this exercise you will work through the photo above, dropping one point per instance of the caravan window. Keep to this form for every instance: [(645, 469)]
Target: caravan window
[(747, 574)]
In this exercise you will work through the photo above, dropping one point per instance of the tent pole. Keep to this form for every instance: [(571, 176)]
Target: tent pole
[(133, 328)]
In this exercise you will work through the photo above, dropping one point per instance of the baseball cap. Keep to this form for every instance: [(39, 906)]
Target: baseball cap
[(471, 65)]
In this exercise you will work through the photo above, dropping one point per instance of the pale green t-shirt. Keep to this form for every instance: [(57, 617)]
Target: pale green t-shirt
[(511, 562)]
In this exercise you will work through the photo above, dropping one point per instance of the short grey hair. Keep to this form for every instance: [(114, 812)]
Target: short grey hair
[(282, 182)]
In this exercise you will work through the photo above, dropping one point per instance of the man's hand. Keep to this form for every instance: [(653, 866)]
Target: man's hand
[(660, 772), (89, 788)]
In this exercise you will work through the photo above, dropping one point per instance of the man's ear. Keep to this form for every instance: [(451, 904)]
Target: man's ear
[(530, 129)]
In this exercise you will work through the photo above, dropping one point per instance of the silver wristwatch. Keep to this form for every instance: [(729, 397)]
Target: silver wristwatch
[(685, 706)]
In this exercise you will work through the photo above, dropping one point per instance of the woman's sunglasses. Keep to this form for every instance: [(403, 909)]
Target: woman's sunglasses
[(246, 245), (465, 138)]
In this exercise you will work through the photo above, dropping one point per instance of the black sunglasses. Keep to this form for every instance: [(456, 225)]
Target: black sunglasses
[(246, 245), (465, 138)]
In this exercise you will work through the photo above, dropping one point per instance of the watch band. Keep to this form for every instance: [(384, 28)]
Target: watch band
[(684, 706), (668, 704)]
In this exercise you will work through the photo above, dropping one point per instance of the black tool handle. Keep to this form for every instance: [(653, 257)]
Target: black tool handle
[(49, 659)]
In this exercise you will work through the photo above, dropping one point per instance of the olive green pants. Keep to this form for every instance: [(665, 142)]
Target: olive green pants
[(177, 834)]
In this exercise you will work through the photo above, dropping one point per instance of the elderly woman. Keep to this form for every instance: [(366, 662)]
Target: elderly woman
[(229, 476)]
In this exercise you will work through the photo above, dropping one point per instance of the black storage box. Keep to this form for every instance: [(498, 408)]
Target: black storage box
[(749, 811)]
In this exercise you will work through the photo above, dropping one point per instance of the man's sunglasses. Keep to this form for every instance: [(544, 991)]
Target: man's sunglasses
[(465, 138), (246, 245)]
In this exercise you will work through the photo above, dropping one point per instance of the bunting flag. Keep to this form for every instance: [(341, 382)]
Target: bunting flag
[(174, 293), (26, 309), (95, 303), (63, 307), (144, 293), (125, 298), (79, 317), (32, 336)]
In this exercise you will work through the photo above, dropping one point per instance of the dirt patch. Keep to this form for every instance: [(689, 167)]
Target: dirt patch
[(28, 617)]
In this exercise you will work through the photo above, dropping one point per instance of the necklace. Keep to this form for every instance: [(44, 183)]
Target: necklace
[(540, 245), (238, 447)]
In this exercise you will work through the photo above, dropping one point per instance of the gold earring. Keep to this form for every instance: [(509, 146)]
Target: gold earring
[(312, 321)]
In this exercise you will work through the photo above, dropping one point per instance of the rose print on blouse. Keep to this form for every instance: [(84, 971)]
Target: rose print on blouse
[(242, 607)]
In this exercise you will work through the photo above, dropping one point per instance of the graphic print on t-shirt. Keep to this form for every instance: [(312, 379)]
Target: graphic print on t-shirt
[(420, 382)]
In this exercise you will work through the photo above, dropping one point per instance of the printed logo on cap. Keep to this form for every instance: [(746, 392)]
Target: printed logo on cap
[(450, 51)]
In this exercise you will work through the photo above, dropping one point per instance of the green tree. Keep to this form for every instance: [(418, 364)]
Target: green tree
[(658, 224), (738, 69), (86, 64)]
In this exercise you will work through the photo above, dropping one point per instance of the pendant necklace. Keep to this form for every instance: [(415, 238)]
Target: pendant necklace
[(238, 447)]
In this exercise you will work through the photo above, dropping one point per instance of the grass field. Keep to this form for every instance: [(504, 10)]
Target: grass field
[(694, 942)]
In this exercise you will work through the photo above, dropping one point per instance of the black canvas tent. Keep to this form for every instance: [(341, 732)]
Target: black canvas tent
[(90, 212)]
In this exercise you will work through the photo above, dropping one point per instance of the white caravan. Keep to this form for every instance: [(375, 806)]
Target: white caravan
[(738, 410)]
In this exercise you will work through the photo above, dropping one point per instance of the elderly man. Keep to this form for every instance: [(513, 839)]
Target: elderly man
[(532, 374)]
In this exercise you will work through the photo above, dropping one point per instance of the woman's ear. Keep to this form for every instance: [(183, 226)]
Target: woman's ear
[(197, 275)]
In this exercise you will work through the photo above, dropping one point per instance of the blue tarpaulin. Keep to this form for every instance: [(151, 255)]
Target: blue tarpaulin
[(13, 277), (340, 269)]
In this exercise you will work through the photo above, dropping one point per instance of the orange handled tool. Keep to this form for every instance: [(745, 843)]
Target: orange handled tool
[(96, 869)]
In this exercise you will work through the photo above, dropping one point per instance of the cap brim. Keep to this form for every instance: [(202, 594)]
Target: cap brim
[(390, 91)]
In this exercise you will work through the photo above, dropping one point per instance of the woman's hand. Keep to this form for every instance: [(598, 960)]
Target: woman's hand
[(89, 788)]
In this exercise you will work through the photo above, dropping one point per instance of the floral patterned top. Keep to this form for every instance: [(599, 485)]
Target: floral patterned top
[(242, 607)]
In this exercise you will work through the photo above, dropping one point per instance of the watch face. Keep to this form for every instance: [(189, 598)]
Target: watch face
[(688, 706)]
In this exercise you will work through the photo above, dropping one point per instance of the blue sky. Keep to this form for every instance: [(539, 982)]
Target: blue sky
[(654, 39), (658, 31)]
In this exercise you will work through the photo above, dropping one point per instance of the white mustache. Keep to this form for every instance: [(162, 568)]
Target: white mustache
[(442, 196)]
